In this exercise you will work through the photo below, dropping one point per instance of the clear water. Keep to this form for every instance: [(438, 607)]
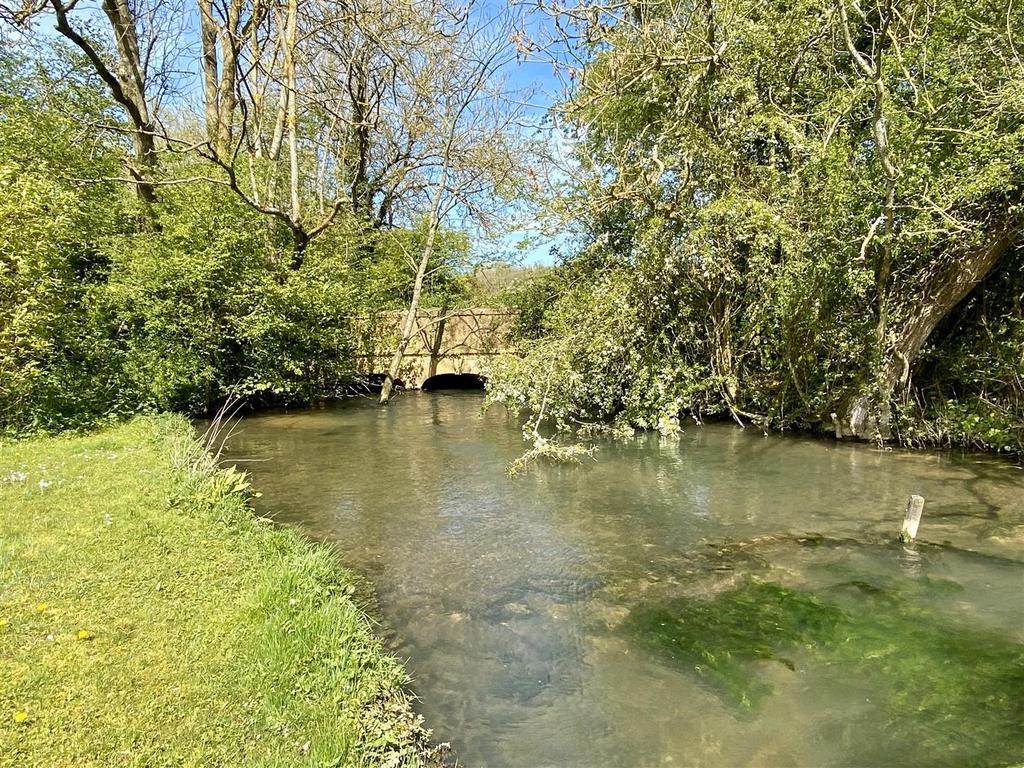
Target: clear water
[(616, 613)]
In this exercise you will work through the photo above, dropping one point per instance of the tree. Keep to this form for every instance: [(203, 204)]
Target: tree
[(777, 205), (310, 108), (894, 36), (133, 73), (467, 156)]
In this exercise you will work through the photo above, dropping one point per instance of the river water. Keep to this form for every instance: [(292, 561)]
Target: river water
[(718, 599)]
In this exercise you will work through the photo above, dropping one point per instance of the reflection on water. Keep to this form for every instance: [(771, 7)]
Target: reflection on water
[(520, 604)]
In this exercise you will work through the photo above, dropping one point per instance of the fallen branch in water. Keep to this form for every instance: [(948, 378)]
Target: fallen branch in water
[(552, 451), (544, 448)]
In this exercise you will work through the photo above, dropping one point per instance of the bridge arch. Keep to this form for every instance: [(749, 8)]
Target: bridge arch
[(453, 381)]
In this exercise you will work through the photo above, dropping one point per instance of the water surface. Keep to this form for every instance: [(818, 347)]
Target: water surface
[(717, 599)]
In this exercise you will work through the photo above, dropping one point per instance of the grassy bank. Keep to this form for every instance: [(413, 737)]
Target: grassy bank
[(147, 618)]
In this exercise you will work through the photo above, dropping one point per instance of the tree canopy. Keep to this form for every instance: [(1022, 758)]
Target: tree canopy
[(784, 210)]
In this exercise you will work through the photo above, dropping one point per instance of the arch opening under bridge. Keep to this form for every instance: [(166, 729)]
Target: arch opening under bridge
[(453, 381)]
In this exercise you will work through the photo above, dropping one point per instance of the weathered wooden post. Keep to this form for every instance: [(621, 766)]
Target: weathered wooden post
[(915, 507)]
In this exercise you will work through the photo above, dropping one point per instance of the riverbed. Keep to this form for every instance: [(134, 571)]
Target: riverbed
[(720, 598)]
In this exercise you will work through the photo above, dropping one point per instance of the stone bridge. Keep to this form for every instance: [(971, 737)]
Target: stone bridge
[(447, 343)]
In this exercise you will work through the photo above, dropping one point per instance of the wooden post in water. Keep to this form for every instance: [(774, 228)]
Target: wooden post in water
[(915, 507)]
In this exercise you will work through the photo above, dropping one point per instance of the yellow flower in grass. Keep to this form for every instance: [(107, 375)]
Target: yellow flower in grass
[(41, 607), (20, 716), (85, 634)]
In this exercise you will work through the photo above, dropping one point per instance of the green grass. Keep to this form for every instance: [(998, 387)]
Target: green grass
[(147, 618)]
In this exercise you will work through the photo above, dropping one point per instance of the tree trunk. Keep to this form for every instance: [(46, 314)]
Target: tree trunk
[(358, 89), (300, 241), (221, 42), (211, 76), (409, 326), (127, 84), (227, 97), (859, 415), (133, 84), (291, 114)]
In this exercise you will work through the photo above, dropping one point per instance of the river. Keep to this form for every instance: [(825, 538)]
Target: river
[(720, 598)]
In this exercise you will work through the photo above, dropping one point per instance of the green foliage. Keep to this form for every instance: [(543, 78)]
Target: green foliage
[(544, 449), (389, 275), (104, 312), (207, 307), (53, 354), (532, 298), (735, 256), (144, 610), (506, 284)]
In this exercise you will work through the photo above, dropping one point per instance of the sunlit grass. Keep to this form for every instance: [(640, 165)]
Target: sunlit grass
[(147, 618)]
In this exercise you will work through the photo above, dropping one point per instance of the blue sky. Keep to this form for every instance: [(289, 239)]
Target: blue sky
[(538, 79)]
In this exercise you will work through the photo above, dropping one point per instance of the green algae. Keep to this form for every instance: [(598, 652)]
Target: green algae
[(719, 637), (943, 693)]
